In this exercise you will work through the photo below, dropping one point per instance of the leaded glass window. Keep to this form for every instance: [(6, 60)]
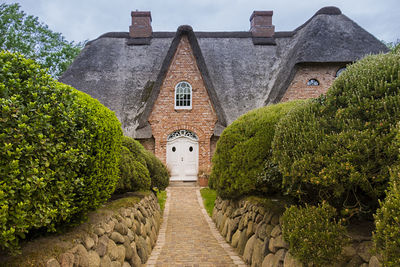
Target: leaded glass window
[(183, 96), (340, 71), (313, 82), (182, 133)]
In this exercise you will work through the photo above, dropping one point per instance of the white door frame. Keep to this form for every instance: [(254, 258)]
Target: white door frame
[(183, 155)]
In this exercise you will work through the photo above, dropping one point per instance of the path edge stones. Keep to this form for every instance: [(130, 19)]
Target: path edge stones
[(151, 262), (221, 241)]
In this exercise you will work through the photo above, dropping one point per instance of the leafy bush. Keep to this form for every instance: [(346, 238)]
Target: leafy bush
[(313, 234), (158, 172), (387, 221), (59, 151), (243, 150), (339, 148), (136, 149), (134, 175)]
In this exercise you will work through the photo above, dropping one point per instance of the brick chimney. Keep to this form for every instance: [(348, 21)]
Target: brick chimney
[(141, 24), (261, 24)]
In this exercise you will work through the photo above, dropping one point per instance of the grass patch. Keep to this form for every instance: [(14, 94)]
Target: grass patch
[(209, 197), (162, 198)]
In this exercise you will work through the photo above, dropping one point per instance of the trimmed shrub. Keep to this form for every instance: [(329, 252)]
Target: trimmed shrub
[(242, 161), (59, 151), (313, 234), (387, 222), (136, 149), (134, 175), (158, 172), (339, 148)]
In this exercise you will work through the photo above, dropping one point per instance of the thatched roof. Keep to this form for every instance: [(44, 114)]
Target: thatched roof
[(240, 72)]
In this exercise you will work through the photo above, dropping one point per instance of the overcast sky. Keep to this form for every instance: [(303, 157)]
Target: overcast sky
[(80, 20)]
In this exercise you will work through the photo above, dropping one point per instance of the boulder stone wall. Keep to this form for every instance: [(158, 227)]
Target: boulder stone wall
[(256, 234), (123, 239)]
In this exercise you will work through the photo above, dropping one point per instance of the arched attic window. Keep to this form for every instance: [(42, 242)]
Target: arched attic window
[(183, 95), (313, 82), (340, 71)]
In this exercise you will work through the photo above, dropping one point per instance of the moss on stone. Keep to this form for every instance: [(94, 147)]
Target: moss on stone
[(276, 205), (54, 245)]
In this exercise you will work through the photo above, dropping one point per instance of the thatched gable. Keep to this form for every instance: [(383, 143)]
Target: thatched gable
[(240, 72)]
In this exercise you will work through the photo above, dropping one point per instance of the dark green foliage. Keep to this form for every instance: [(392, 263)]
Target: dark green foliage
[(339, 148), (59, 151), (134, 174), (158, 172), (136, 149), (243, 155), (140, 169), (387, 222), (313, 234), (30, 37)]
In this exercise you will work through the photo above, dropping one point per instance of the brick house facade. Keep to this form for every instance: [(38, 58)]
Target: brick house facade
[(324, 74), (145, 76), (200, 119)]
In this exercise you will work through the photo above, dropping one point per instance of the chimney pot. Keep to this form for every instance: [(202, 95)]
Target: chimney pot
[(141, 24), (261, 24)]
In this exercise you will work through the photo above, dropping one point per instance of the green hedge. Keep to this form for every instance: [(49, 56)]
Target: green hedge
[(313, 234), (242, 161), (140, 169), (59, 151), (134, 174), (387, 222), (158, 172), (339, 148)]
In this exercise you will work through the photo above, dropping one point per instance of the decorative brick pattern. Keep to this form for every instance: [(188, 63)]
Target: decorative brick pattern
[(201, 119), (298, 88)]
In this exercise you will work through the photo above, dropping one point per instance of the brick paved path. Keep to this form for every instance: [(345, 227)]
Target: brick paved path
[(187, 236)]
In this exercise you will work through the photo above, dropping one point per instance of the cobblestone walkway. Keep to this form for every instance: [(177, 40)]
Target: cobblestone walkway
[(187, 236)]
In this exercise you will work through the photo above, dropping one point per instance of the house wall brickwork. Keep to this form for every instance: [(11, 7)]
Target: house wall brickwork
[(165, 119), (324, 73), (201, 119)]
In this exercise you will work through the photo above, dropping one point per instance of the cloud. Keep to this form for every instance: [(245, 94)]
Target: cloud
[(80, 20)]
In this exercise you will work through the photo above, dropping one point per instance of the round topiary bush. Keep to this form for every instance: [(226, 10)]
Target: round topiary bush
[(387, 222), (59, 151), (339, 148), (134, 174), (313, 234), (242, 160), (159, 174)]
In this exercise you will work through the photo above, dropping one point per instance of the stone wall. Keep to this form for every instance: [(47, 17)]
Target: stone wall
[(256, 233), (124, 239)]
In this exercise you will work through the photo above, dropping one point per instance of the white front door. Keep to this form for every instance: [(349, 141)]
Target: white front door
[(182, 159)]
